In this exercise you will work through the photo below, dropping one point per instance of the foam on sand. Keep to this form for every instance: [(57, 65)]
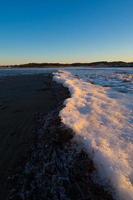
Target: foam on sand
[(101, 123)]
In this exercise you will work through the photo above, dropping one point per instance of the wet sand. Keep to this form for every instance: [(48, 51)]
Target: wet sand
[(21, 97)]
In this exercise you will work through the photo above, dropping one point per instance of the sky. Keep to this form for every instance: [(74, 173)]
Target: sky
[(65, 31)]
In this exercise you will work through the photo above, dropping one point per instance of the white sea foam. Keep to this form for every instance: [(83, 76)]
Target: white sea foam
[(104, 125)]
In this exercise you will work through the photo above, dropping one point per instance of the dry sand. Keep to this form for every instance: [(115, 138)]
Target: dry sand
[(21, 97)]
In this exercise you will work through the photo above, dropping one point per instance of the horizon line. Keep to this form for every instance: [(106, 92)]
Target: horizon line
[(67, 63)]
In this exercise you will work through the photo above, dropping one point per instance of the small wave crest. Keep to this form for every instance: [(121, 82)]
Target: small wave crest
[(101, 122)]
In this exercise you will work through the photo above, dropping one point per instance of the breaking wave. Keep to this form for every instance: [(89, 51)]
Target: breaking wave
[(102, 119)]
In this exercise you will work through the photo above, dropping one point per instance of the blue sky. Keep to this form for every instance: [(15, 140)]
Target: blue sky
[(65, 30)]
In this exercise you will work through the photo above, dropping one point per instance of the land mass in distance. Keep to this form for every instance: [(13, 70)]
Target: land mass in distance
[(91, 64)]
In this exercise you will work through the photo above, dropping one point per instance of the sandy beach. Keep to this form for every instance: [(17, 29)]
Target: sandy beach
[(21, 97), (38, 158)]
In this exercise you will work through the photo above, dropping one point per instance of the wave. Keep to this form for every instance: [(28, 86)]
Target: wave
[(101, 123)]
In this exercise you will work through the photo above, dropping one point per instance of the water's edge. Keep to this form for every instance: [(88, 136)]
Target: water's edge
[(57, 167), (93, 116)]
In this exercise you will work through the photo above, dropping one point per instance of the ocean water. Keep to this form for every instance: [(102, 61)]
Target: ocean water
[(100, 111), (23, 71)]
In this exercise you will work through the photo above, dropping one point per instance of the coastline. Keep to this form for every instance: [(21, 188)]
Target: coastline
[(99, 64), (45, 152)]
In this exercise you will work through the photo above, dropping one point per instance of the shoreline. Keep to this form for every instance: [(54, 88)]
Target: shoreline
[(57, 168), (50, 156), (75, 64)]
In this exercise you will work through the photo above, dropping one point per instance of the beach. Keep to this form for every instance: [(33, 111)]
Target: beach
[(51, 146), (38, 157), (21, 98)]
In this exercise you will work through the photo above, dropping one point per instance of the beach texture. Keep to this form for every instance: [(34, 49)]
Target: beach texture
[(39, 158), (21, 98)]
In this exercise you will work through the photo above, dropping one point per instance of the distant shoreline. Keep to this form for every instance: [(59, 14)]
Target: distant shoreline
[(55, 65)]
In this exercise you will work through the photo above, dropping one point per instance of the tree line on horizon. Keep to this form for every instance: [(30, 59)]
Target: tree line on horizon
[(91, 64)]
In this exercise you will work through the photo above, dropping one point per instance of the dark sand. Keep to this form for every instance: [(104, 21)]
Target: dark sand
[(21, 98), (31, 134)]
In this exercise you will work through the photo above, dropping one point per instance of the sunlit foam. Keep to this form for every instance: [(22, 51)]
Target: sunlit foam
[(101, 122)]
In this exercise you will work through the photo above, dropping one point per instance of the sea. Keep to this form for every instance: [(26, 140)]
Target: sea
[(100, 112)]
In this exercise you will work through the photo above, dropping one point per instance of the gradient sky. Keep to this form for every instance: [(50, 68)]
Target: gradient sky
[(65, 30)]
